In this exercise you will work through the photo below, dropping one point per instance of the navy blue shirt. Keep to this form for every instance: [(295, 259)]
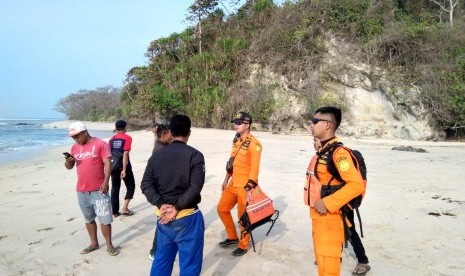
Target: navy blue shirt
[(118, 144)]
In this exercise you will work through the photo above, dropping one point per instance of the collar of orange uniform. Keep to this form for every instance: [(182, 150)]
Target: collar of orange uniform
[(328, 142), (249, 136)]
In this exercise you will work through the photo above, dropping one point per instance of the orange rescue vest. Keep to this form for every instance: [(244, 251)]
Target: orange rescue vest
[(312, 188)]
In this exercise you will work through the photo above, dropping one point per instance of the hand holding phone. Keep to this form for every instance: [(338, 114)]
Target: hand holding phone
[(67, 155)]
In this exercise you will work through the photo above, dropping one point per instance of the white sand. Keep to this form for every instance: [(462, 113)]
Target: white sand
[(42, 229)]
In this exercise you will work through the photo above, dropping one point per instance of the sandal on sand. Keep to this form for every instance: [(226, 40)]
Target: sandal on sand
[(114, 251), (361, 269), (128, 213), (89, 249)]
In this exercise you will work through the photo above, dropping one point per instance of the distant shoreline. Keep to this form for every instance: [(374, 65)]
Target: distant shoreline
[(101, 130), (90, 125)]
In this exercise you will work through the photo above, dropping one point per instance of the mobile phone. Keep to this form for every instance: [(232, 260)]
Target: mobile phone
[(67, 155)]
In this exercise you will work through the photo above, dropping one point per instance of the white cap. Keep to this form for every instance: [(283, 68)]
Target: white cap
[(75, 128)]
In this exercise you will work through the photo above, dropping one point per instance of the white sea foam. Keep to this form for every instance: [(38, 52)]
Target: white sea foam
[(21, 136)]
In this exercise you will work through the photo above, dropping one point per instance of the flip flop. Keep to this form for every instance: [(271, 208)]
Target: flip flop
[(128, 213), (361, 269), (89, 249), (114, 251)]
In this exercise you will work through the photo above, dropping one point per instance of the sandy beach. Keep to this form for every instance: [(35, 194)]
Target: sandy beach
[(413, 212)]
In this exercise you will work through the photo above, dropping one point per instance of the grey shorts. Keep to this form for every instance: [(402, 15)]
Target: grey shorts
[(95, 204)]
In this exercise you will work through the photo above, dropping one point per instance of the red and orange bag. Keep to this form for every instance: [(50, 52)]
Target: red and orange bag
[(258, 211), (259, 206)]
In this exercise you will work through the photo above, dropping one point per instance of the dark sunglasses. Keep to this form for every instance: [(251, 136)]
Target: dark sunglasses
[(75, 137), (316, 120)]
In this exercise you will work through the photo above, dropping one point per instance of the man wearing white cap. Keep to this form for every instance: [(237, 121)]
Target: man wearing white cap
[(92, 159)]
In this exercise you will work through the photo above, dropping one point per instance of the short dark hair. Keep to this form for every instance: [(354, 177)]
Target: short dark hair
[(162, 128), (336, 112), (180, 125), (120, 124)]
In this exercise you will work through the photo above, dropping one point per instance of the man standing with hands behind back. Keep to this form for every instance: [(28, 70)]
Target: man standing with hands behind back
[(92, 159), (173, 180), (244, 164)]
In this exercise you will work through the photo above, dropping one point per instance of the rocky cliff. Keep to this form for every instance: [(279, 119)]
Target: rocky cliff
[(374, 103)]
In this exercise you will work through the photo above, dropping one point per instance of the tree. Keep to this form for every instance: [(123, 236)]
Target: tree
[(197, 12), (91, 105), (448, 8)]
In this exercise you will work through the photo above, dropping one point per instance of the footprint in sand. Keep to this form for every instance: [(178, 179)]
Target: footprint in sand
[(45, 229), (3, 237), (70, 219), (448, 214), (58, 243), (80, 264), (35, 242)]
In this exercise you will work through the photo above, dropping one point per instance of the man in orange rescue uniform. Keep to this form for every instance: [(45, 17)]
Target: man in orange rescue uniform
[(242, 170), (327, 224)]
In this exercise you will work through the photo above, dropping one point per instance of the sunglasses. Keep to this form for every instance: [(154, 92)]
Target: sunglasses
[(316, 120), (75, 137), (240, 123)]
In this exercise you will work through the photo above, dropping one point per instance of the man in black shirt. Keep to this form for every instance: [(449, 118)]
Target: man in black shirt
[(172, 181)]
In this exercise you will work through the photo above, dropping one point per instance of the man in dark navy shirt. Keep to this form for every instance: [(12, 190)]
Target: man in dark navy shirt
[(172, 181)]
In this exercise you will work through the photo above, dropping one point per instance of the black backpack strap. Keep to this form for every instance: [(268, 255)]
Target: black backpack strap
[(359, 222), (332, 167), (327, 153), (347, 232)]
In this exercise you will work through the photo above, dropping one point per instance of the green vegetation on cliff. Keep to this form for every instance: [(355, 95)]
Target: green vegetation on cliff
[(203, 70)]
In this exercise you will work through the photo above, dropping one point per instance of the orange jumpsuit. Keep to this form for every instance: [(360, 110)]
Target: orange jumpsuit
[(328, 230), (245, 169)]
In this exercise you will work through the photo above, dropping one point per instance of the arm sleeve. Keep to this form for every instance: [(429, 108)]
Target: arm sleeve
[(353, 181), (255, 151), (148, 186), (105, 150), (127, 143), (197, 178)]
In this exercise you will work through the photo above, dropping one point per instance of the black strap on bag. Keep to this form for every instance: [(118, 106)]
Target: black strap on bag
[(244, 221)]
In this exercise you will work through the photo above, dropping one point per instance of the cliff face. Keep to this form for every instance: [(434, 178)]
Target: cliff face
[(376, 105)]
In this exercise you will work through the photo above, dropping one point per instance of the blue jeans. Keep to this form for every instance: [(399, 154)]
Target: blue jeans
[(185, 235)]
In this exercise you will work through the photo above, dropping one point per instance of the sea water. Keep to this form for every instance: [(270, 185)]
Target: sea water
[(22, 138)]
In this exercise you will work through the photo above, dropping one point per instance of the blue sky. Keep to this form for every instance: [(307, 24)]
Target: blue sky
[(51, 48)]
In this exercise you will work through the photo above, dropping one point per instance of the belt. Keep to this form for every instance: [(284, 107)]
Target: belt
[(181, 214)]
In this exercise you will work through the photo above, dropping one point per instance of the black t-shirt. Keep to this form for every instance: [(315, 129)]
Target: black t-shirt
[(175, 175)]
